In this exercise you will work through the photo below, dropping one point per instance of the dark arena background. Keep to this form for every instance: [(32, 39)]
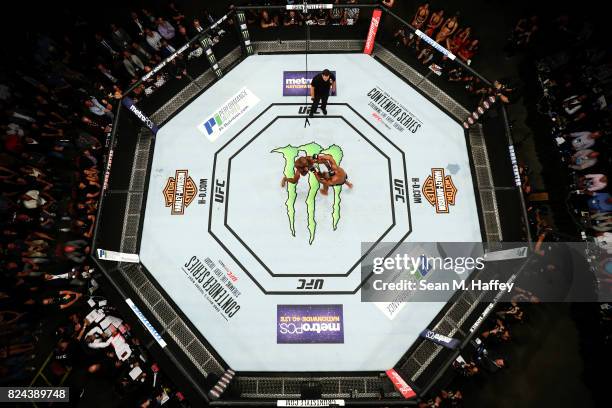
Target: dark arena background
[(160, 249)]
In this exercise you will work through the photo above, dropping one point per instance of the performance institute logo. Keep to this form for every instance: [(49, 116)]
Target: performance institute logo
[(297, 83), (180, 191), (439, 190), (230, 112), (290, 154)]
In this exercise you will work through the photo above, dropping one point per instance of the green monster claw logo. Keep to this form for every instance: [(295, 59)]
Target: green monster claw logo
[(290, 154)]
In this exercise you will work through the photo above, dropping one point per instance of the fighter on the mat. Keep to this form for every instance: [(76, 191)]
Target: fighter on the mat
[(334, 176), (302, 166)]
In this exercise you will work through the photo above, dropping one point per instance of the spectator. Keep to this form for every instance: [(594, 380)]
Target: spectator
[(63, 299), (351, 14), (266, 21), (149, 17), (165, 29), (435, 21), (76, 250), (336, 15), (140, 52), (593, 182), (166, 49), (448, 29), (153, 39), (133, 65), (584, 140), (181, 35), (292, 19), (137, 25), (420, 17), (458, 41), (600, 202), (120, 37), (105, 47), (95, 107), (601, 221), (106, 74), (197, 28), (522, 35), (96, 339), (177, 15), (467, 52), (573, 104), (583, 159)]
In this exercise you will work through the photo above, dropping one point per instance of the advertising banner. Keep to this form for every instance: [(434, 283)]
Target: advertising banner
[(297, 83), (435, 45), (107, 255), (400, 385), (311, 403), (230, 112), (307, 324), (129, 103), (440, 339), (146, 323), (369, 44)]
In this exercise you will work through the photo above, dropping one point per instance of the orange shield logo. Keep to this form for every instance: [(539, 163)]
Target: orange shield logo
[(439, 190), (180, 191)]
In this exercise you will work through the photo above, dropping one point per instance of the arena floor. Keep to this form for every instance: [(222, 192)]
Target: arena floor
[(253, 265)]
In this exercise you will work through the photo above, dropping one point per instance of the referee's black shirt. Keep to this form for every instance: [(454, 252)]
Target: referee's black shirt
[(321, 87)]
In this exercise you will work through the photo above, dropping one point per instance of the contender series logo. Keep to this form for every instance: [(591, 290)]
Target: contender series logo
[(290, 154), (439, 190), (392, 113), (180, 191)]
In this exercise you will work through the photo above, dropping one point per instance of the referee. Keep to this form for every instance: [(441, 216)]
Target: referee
[(319, 90)]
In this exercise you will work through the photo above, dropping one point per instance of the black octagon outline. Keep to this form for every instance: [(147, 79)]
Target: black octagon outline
[(293, 275), (306, 292)]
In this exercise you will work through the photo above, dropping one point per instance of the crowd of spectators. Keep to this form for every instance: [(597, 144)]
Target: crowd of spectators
[(484, 355), (95, 343), (55, 125), (273, 17), (146, 39), (575, 99), (57, 102), (447, 31)]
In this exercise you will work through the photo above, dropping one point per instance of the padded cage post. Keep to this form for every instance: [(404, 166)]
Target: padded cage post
[(244, 33), (206, 44)]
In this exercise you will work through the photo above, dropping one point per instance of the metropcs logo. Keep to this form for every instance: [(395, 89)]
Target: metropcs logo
[(309, 324), (439, 190), (290, 154), (129, 103), (180, 191), (297, 83), (438, 337), (232, 110), (142, 116)]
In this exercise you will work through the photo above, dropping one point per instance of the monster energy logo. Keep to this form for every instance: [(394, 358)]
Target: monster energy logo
[(290, 154)]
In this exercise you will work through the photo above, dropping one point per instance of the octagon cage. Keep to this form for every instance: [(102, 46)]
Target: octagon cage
[(194, 68)]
